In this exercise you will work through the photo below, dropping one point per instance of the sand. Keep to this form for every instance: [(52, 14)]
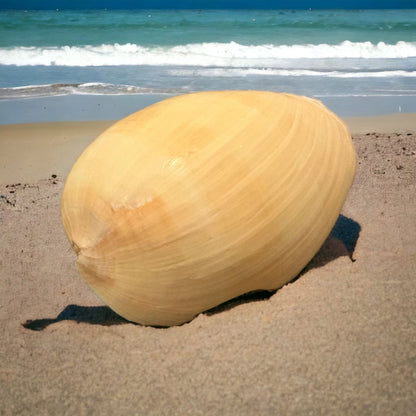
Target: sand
[(340, 339)]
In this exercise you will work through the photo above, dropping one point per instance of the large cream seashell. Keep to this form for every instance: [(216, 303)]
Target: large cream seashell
[(203, 197)]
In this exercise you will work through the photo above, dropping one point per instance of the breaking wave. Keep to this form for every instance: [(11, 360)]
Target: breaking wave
[(208, 54)]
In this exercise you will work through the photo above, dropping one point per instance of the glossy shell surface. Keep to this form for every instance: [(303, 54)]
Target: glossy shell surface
[(203, 197)]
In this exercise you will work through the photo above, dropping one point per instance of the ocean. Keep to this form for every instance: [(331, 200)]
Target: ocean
[(358, 62)]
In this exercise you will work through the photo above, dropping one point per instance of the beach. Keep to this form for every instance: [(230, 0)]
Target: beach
[(339, 339)]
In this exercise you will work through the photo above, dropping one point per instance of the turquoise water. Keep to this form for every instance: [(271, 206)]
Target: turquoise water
[(181, 27), (320, 53)]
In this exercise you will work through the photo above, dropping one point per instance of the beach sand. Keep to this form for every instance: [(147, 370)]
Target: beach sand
[(338, 340)]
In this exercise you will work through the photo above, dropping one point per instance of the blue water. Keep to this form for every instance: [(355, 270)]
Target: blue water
[(320, 53)]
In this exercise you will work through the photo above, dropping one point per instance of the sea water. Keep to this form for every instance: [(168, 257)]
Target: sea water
[(342, 57)]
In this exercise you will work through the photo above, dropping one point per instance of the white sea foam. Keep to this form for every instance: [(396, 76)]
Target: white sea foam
[(91, 88), (241, 72), (229, 54)]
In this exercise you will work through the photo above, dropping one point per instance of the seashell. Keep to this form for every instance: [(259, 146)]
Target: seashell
[(203, 197)]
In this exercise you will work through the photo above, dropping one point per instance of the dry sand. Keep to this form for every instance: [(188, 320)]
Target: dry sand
[(339, 340)]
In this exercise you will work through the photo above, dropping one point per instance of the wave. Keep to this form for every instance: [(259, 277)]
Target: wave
[(230, 54), (98, 88), (90, 88), (236, 72)]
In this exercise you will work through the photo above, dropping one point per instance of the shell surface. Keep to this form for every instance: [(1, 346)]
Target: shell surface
[(203, 197)]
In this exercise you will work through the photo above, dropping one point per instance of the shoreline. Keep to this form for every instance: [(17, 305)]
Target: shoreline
[(51, 148), (78, 107)]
